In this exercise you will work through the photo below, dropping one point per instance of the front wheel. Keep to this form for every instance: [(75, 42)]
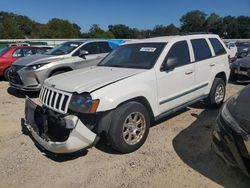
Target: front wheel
[(6, 74), (217, 93), (129, 127)]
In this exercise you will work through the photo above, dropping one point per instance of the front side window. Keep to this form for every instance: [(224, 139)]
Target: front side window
[(217, 46), (90, 47), (103, 47), (201, 49), (179, 54), (139, 55), (64, 48)]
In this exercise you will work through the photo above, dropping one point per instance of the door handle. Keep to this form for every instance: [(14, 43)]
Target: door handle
[(189, 72), (212, 64)]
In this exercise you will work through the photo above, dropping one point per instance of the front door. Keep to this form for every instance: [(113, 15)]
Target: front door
[(177, 78)]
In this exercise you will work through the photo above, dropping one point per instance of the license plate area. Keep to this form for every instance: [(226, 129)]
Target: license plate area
[(241, 72)]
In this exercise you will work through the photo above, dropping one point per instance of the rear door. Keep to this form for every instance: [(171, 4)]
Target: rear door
[(203, 64), (175, 85)]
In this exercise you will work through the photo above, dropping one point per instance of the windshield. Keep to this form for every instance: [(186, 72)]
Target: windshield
[(64, 48), (141, 56), (2, 51)]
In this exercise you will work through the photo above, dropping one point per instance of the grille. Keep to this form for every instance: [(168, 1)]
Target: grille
[(54, 99), (244, 69), (15, 78), (16, 68)]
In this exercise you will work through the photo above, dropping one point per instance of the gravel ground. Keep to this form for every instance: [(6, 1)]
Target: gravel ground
[(177, 153)]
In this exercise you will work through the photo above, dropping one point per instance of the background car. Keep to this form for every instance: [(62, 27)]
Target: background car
[(232, 50), (231, 136), (10, 54), (243, 49), (29, 73), (240, 69)]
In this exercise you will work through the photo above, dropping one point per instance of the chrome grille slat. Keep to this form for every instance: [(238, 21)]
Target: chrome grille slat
[(49, 97), (61, 101), (41, 93)]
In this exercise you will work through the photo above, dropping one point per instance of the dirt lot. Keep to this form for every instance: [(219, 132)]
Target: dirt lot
[(177, 153)]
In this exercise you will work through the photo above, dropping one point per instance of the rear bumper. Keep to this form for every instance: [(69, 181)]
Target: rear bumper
[(230, 146), (80, 136)]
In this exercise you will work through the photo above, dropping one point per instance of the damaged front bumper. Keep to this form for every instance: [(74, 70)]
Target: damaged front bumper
[(231, 146), (57, 134)]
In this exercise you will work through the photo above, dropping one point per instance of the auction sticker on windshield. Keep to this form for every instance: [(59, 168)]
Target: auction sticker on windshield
[(74, 45), (147, 49)]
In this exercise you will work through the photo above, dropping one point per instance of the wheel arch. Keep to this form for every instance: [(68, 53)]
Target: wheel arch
[(66, 69)]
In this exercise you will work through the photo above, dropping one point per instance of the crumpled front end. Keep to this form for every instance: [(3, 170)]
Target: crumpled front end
[(57, 133)]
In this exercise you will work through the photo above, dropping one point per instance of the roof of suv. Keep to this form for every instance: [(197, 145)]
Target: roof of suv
[(169, 38)]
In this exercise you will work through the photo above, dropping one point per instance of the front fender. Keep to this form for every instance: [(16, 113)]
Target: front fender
[(138, 86)]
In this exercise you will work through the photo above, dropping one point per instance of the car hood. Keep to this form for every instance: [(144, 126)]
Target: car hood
[(244, 62), (241, 108), (37, 59), (90, 79)]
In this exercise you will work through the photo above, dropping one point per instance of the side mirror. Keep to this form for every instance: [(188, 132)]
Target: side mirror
[(83, 53), (170, 64)]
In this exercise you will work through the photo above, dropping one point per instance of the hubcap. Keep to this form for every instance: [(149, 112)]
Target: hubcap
[(134, 128), (219, 93)]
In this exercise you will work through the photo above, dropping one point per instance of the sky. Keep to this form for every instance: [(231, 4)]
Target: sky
[(141, 14)]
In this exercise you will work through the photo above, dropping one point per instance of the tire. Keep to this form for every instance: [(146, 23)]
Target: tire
[(124, 134), (6, 74), (217, 93)]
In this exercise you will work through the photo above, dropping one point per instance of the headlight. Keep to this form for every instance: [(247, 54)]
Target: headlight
[(35, 67), (245, 49), (83, 103), (227, 116)]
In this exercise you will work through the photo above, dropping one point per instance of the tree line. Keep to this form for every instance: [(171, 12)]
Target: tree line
[(13, 26)]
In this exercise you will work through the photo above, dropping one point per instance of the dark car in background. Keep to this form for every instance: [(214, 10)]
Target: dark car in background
[(243, 49), (231, 135), (10, 54), (240, 69)]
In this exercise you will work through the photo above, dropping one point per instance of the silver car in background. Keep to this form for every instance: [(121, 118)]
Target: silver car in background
[(29, 73)]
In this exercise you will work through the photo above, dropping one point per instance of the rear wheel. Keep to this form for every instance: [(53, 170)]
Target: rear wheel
[(6, 74), (217, 93), (129, 127)]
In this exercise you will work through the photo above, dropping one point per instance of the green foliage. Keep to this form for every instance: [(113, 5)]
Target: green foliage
[(193, 21), (13, 26)]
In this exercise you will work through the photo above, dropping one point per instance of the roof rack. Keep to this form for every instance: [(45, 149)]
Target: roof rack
[(194, 33)]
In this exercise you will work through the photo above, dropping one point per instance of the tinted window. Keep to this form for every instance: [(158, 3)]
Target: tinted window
[(179, 52), (64, 48), (18, 53), (201, 49), (217, 46), (90, 47), (4, 50), (103, 47), (140, 56)]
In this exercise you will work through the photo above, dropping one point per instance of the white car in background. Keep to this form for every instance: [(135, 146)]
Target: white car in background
[(232, 50)]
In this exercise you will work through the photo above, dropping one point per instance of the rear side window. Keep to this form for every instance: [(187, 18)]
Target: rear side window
[(180, 52), (103, 47), (218, 48), (201, 49)]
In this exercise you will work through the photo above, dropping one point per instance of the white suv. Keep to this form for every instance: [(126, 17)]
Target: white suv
[(137, 83)]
